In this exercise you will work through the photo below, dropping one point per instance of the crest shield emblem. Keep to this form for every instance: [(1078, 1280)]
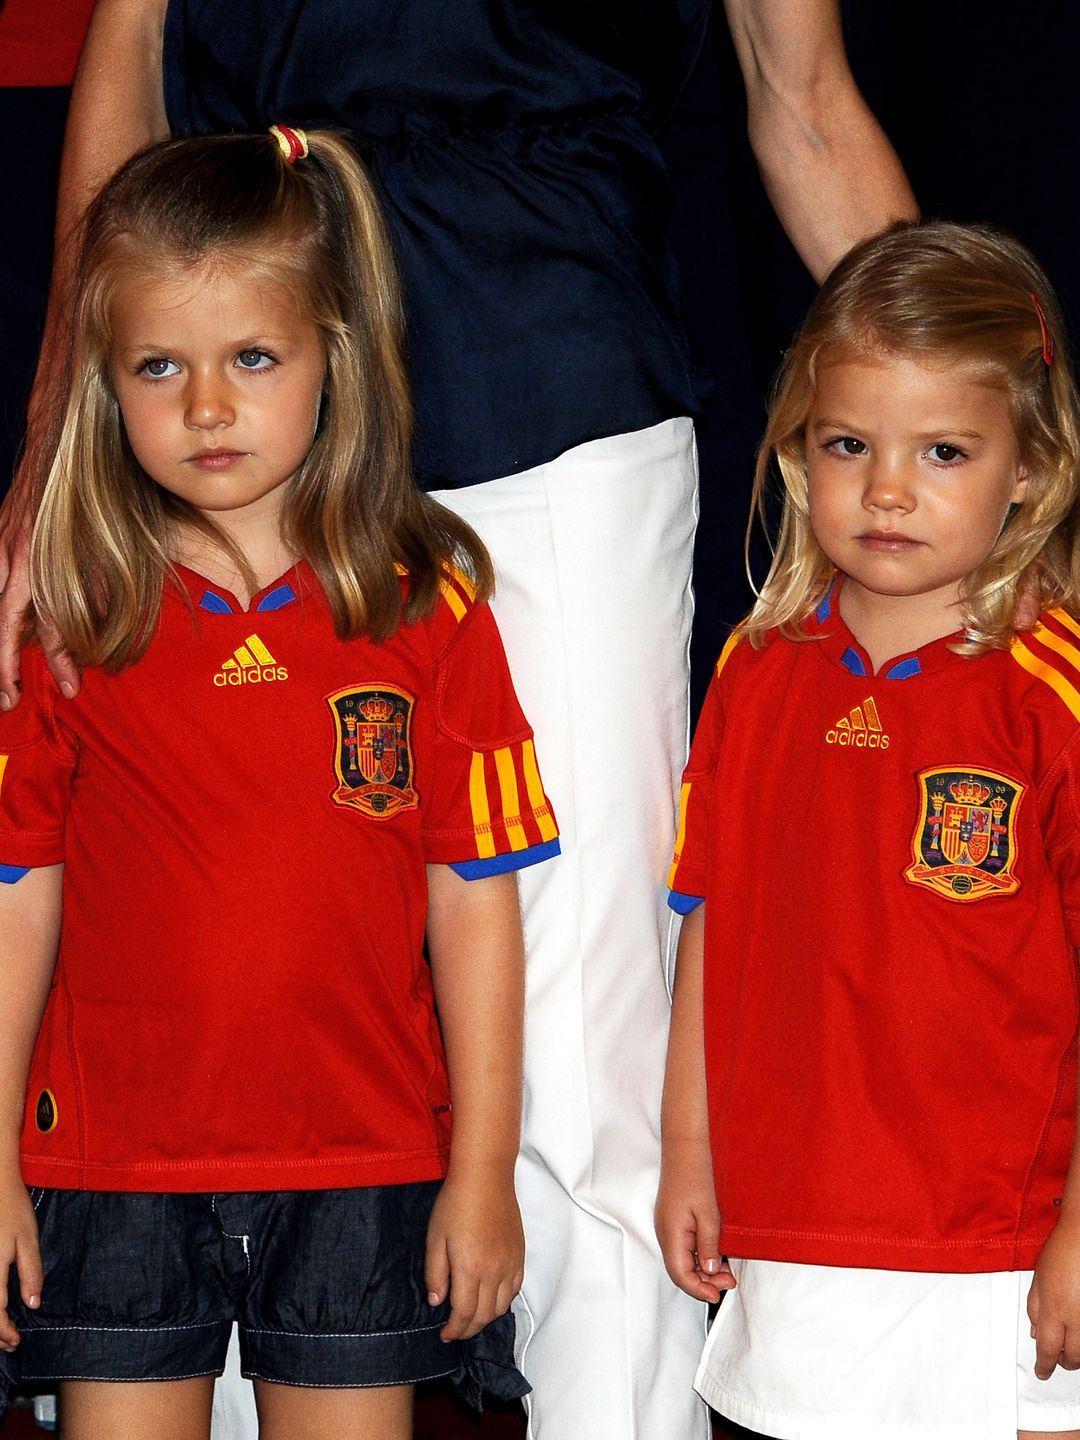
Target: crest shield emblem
[(373, 758), (964, 845)]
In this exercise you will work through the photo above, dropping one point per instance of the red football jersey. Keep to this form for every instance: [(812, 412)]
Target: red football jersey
[(891, 865), (245, 815)]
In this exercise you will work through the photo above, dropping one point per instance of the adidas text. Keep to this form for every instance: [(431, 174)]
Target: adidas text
[(859, 739), (254, 675), (860, 728)]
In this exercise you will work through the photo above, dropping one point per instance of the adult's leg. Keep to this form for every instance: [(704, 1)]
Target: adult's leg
[(296, 1412), (155, 1410), (592, 555)]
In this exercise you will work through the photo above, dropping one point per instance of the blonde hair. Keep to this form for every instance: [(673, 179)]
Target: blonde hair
[(100, 548), (946, 295)]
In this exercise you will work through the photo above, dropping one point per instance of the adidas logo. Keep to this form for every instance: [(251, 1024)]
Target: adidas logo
[(250, 664), (860, 727)]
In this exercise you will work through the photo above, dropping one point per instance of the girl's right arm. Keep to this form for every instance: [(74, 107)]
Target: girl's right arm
[(29, 935), (117, 107), (687, 1216)]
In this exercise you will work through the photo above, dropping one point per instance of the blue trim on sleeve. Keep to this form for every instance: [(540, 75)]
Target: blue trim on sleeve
[(852, 660), (500, 864), (9, 874), (215, 603), (683, 904), (904, 669), (283, 595)]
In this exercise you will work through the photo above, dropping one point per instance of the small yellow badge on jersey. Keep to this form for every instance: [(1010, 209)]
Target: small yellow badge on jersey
[(964, 845), (45, 1112), (373, 758)]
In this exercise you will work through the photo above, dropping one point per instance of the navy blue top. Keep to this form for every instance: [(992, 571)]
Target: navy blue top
[(512, 146)]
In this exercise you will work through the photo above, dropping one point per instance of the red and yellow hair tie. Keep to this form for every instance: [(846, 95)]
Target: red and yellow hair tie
[(293, 144)]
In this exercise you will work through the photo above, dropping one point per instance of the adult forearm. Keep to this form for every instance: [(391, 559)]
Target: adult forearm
[(828, 167), (829, 170), (117, 107)]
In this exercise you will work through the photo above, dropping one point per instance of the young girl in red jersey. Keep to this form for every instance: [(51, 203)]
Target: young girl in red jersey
[(296, 750), (881, 813)]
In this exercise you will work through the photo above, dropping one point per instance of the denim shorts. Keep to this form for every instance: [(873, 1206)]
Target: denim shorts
[(326, 1288)]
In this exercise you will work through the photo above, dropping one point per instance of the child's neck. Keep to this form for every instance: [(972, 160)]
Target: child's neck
[(265, 551), (890, 625)]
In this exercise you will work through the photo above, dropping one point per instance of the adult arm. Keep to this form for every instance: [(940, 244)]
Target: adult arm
[(476, 1248), (29, 933), (828, 167), (687, 1218), (117, 107)]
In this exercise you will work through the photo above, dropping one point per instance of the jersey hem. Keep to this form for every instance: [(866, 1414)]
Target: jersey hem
[(947, 1257), (201, 1176)]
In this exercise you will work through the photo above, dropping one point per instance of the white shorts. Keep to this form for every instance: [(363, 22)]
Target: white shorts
[(813, 1352)]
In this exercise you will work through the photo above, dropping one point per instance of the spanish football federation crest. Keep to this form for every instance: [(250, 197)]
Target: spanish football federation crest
[(372, 752), (964, 845)]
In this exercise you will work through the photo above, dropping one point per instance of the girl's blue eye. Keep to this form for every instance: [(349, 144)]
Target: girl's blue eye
[(160, 369), (253, 360)]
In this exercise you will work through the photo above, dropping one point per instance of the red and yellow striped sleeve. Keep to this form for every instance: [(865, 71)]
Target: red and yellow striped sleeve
[(36, 767), (488, 811), (687, 876)]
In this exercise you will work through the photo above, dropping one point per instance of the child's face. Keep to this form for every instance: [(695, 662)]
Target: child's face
[(911, 472), (219, 378)]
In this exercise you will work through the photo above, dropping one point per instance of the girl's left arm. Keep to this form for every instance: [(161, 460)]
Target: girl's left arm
[(1054, 1299), (476, 1247)]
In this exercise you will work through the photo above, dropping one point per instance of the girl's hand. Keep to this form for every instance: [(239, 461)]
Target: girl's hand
[(475, 1252), (18, 1247), (1054, 1301), (687, 1221)]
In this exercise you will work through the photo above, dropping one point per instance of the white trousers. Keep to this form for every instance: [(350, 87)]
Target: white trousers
[(592, 555)]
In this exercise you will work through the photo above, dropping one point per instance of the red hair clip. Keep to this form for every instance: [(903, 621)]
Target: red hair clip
[(292, 143), (1047, 338)]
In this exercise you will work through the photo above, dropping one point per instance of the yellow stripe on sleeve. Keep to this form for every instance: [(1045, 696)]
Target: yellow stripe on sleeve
[(511, 805), (453, 599), (1064, 618), (463, 580), (481, 811), (3, 767), (1052, 677), (1047, 637), (729, 645), (535, 789), (680, 839)]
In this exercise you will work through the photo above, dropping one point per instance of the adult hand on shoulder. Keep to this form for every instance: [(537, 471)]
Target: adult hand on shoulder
[(475, 1253), (687, 1221), (1054, 1301), (16, 519)]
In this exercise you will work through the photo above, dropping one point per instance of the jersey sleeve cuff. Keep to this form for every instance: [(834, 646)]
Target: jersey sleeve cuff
[(501, 864), (10, 873), (683, 904)]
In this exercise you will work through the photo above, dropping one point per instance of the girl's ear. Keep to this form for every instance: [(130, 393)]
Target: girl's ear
[(1020, 490)]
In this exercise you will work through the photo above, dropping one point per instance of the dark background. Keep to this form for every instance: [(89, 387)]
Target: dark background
[(979, 99)]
